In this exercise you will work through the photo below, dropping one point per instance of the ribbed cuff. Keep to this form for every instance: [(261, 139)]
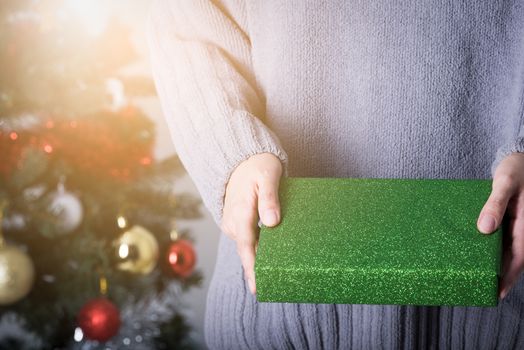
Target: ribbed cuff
[(259, 139), (516, 146)]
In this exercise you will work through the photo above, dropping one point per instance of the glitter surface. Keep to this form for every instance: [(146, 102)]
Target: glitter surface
[(379, 241)]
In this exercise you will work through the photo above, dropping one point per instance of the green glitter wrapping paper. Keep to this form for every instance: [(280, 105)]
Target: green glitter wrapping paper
[(379, 241)]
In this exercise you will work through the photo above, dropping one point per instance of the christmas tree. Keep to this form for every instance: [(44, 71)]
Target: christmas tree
[(90, 253)]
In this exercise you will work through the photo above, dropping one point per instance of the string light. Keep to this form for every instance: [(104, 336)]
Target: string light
[(121, 221), (145, 161), (123, 251), (173, 235), (79, 335), (103, 285)]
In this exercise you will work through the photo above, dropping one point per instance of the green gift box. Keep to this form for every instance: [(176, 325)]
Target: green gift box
[(379, 241)]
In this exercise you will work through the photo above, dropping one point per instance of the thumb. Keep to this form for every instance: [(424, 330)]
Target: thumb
[(268, 201), (493, 211)]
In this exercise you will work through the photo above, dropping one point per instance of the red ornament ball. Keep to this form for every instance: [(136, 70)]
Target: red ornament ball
[(182, 257), (99, 319)]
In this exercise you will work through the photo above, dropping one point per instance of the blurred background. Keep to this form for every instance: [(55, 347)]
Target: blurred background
[(104, 240)]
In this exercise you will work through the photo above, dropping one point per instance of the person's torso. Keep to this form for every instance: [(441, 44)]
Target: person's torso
[(413, 89)]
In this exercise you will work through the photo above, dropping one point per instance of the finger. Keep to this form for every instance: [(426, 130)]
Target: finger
[(515, 263), (493, 211), (268, 201), (246, 241), (246, 251)]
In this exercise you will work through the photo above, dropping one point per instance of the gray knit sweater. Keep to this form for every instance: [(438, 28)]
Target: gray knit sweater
[(387, 89)]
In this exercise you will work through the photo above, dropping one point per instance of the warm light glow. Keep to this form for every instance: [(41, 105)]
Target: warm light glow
[(93, 14), (48, 148), (13, 135)]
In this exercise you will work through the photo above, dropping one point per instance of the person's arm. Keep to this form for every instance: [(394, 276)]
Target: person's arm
[(201, 61), (515, 146)]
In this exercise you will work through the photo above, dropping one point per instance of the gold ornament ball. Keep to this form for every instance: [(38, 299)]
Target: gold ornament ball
[(17, 274), (137, 250)]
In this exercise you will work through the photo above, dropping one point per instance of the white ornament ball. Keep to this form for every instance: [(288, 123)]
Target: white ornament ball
[(67, 211)]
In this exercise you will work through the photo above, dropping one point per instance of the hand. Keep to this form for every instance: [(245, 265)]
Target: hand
[(507, 197), (251, 192)]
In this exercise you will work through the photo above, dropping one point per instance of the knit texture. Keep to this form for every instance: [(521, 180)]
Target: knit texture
[(382, 89)]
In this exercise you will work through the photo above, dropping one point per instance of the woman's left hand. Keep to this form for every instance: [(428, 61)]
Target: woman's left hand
[(507, 198)]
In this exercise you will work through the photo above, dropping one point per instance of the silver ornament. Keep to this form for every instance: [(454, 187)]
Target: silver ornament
[(66, 209)]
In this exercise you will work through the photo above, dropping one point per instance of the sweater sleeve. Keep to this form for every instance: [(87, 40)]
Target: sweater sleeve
[(516, 145), (201, 62)]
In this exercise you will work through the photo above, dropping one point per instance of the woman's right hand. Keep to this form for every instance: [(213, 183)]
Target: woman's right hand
[(251, 192)]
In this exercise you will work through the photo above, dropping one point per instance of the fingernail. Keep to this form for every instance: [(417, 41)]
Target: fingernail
[(503, 294), (251, 285), (487, 223), (270, 217)]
